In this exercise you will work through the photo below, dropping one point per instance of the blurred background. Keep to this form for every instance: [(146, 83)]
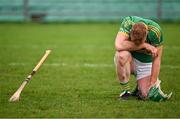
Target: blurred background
[(79, 78), (87, 10)]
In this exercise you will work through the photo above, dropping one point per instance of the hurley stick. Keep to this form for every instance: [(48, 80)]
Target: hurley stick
[(16, 95)]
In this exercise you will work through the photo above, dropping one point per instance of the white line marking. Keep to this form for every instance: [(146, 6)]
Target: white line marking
[(17, 64), (65, 65), (85, 65), (53, 46), (172, 47), (171, 66)]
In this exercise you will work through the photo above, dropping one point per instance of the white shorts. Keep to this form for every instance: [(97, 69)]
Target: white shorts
[(141, 69)]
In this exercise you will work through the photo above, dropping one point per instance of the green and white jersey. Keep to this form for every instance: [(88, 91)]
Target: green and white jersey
[(154, 36)]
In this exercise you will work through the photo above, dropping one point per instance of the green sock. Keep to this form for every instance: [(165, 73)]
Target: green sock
[(124, 86)]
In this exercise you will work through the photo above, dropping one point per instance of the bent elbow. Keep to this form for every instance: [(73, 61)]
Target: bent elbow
[(118, 47)]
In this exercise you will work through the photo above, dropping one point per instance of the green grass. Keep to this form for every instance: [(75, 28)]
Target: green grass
[(78, 79)]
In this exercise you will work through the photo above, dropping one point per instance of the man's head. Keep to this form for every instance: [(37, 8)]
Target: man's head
[(138, 33)]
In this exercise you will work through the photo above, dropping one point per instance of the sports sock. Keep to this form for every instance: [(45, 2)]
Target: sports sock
[(124, 86)]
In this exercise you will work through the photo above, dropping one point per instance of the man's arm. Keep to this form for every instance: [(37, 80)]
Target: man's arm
[(122, 43), (156, 66)]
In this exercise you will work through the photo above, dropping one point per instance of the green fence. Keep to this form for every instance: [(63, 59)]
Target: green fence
[(87, 10)]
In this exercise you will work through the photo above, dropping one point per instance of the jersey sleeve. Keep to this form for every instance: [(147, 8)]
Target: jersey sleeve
[(156, 38), (125, 26)]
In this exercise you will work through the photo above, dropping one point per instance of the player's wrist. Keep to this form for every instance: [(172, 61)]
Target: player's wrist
[(144, 46), (153, 81)]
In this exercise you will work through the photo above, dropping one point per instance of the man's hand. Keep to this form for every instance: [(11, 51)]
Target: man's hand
[(155, 84), (156, 94), (151, 49)]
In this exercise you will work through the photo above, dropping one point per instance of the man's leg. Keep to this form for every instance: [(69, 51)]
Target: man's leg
[(123, 63), (143, 86), (143, 73)]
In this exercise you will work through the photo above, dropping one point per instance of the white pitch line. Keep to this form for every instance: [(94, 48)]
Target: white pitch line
[(65, 65), (171, 66), (85, 65), (53, 46), (17, 64), (172, 47)]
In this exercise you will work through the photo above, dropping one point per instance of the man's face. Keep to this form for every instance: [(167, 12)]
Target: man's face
[(137, 41)]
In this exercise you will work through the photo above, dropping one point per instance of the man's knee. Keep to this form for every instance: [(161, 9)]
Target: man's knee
[(143, 85), (122, 57)]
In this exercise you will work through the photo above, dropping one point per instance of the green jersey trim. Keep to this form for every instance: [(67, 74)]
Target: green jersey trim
[(154, 36)]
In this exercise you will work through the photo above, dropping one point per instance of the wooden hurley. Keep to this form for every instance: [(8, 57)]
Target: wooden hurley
[(16, 95)]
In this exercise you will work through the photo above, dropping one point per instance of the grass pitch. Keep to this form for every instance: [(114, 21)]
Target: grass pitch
[(78, 79)]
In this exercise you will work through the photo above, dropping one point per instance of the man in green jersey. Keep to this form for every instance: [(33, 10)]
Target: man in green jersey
[(138, 51)]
